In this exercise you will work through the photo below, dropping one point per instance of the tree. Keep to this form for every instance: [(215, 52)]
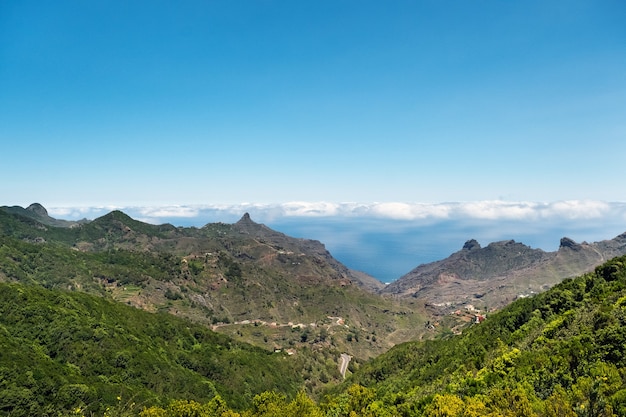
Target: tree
[(510, 402), (446, 405), (303, 406), (557, 404), (269, 404)]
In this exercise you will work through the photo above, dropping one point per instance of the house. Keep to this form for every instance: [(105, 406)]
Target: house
[(479, 318)]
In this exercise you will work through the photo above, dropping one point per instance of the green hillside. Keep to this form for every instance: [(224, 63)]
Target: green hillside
[(63, 350), (560, 353), (244, 279), (71, 343)]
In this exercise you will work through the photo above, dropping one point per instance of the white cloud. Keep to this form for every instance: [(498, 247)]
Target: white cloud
[(418, 212), (392, 210), (585, 209), (78, 213), (405, 211), (315, 209), (497, 210), (169, 211)]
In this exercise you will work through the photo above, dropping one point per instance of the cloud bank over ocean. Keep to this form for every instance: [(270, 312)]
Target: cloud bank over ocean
[(479, 210), (388, 239)]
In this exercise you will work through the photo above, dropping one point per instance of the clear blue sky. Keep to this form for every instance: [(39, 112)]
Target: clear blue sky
[(206, 102)]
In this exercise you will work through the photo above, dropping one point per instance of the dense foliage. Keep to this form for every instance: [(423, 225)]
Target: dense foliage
[(562, 352), (56, 266), (62, 350), (559, 354)]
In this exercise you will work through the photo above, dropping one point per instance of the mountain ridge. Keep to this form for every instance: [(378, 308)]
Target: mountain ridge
[(38, 212), (490, 276), (494, 275), (224, 275)]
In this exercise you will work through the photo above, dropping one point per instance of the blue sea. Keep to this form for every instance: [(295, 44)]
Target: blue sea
[(387, 249)]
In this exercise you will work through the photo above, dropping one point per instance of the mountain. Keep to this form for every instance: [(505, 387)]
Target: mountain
[(561, 353), (39, 213), (118, 230), (243, 279), (69, 345), (303, 246), (495, 275)]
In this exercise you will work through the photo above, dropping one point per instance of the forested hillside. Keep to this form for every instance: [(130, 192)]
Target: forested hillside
[(65, 350), (560, 353), (70, 346)]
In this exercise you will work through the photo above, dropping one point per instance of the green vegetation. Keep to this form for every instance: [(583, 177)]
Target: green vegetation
[(69, 344), (54, 265), (60, 351), (562, 352), (218, 274)]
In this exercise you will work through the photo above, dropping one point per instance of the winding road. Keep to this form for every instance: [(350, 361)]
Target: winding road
[(343, 366)]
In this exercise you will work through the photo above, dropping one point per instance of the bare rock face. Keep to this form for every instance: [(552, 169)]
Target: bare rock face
[(471, 245), (567, 243)]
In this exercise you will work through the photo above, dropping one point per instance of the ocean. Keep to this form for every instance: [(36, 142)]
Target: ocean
[(387, 249)]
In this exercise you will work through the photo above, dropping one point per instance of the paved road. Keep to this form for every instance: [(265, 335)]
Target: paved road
[(345, 360)]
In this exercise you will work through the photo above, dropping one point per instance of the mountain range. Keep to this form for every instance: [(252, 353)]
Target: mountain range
[(70, 345), (243, 279), (486, 278)]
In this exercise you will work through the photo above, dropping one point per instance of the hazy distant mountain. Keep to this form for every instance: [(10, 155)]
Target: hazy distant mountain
[(501, 272)]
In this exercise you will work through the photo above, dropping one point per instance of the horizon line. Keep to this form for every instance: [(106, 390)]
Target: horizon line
[(401, 211)]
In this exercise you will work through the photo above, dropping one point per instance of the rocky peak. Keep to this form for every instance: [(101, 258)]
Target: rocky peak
[(245, 222), (568, 243), (38, 209), (471, 244), (245, 219), (621, 237), (249, 226)]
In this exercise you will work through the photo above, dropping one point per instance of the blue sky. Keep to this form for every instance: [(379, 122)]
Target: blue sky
[(391, 131), (208, 102)]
